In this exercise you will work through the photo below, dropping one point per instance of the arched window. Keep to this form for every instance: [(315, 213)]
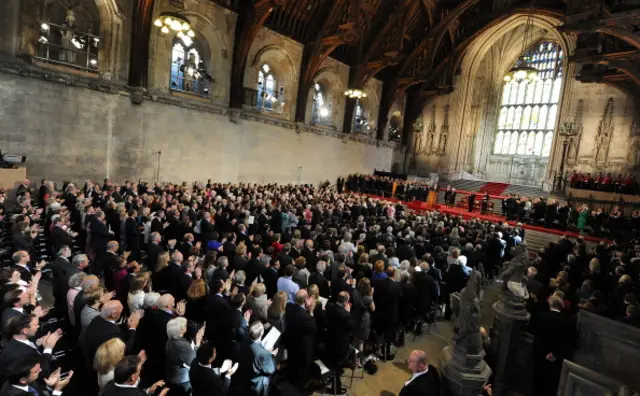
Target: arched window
[(188, 70), (268, 93), (321, 110), (360, 122), (531, 129), (69, 35)]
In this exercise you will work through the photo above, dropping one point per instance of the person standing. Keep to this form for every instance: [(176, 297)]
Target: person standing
[(472, 201)]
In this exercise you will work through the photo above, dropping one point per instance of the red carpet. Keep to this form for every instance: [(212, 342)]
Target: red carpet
[(494, 188)]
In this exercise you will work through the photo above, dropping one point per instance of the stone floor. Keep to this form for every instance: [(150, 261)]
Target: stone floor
[(391, 375)]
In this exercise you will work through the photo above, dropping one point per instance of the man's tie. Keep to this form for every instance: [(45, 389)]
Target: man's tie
[(34, 391)]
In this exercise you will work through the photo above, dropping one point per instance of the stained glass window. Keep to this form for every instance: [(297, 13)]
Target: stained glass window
[(267, 92), (321, 110), (529, 129)]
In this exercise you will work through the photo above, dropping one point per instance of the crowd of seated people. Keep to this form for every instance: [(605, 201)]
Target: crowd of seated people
[(170, 288), (607, 183)]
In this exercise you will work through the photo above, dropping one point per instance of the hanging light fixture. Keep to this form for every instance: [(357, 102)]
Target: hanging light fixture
[(521, 71), (171, 21), (355, 93)]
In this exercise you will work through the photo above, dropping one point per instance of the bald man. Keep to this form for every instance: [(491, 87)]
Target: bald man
[(103, 328), (89, 282), (152, 333), (425, 380)]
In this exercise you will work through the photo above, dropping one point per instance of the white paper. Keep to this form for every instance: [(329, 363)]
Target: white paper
[(252, 219), (323, 301), (269, 340)]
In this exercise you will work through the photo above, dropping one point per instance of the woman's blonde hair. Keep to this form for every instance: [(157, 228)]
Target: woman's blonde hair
[(313, 291), (364, 258), (108, 355), (278, 304), (163, 261), (379, 266), (258, 290)]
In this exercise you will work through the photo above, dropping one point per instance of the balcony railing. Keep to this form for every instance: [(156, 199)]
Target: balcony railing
[(186, 84), (69, 47), (251, 99)]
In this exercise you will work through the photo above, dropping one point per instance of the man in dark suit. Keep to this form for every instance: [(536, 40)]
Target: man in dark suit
[(21, 262), (380, 256), (59, 237), (555, 336), (19, 346), (255, 366), (317, 278), (23, 379), (154, 250), (17, 304), (207, 229), (284, 257), (426, 292), (205, 380), (153, 332), (425, 380), (270, 277), (472, 201), (341, 283), (340, 325), (126, 376), (218, 312), (255, 267), (387, 299), (61, 269), (104, 327), (299, 338), (99, 234)]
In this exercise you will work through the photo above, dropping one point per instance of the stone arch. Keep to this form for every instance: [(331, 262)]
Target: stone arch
[(279, 60), (334, 88), (206, 33), (505, 38), (110, 54)]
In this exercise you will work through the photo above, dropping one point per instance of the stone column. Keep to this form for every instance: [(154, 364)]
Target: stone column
[(511, 317), (9, 22), (463, 365)]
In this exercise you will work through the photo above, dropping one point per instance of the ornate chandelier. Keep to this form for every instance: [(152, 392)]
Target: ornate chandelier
[(168, 21), (355, 93), (521, 71)]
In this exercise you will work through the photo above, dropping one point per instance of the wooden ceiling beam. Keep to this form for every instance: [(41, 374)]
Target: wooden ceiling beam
[(251, 18), (333, 33)]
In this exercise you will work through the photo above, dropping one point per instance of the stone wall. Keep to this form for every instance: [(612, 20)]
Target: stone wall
[(474, 107), (77, 133)]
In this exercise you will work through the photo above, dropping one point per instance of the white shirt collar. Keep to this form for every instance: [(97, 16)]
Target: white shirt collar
[(555, 310), (204, 365), (24, 388), (21, 310), (416, 375), (27, 342), (126, 385)]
